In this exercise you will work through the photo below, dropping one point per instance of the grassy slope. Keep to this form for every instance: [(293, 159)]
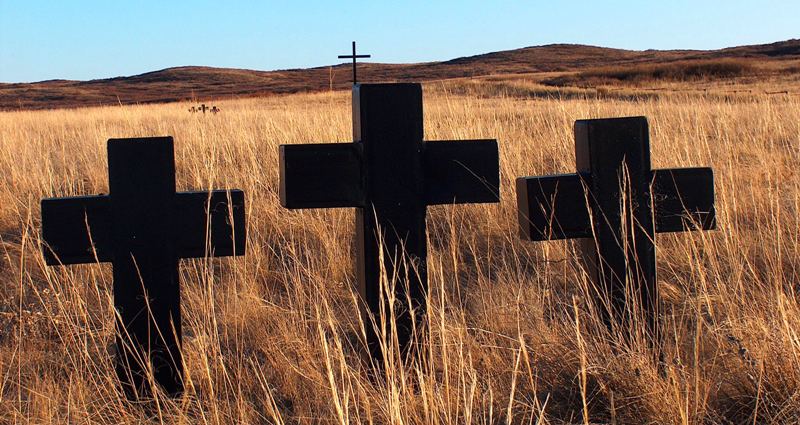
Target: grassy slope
[(268, 336), (205, 84)]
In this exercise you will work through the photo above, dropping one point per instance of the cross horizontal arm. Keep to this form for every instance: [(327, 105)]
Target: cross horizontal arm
[(210, 223), (326, 175), (459, 172), (354, 56), (552, 207), (65, 222), (684, 199)]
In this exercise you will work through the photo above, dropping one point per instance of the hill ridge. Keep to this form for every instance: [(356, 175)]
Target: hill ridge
[(192, 82)]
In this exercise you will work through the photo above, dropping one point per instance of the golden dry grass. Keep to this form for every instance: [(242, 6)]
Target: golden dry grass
[(268, 338)]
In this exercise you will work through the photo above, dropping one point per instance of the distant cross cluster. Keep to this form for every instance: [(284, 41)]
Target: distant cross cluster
[(203, 108)]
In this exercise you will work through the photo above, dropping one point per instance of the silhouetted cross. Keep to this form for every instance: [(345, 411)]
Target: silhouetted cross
[(617, 203), (390, 175), (143, 227), (354, 56)]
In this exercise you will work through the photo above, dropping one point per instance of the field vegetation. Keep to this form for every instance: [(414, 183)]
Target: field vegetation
[(671, 71), (272, 337)]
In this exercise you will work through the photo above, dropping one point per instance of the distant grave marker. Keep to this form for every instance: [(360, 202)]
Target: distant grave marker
[(354, 56), (618, 227), (390, 175), (143, 228)]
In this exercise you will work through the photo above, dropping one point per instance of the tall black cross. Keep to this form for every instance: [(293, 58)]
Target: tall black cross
[(354, 56), (390, 175), (143, 227), (617, 203)]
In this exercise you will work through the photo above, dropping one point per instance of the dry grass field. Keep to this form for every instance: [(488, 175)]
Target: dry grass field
[(270, 337)]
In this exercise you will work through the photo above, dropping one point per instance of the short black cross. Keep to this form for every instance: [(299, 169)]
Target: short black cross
[(623, 205), (203, 108), (354, 56), (390, 175), (143, 227)]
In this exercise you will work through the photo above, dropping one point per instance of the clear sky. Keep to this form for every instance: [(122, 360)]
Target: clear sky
[(82, 39)]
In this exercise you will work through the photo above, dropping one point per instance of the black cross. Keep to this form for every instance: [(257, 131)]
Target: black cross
[(619, 230), (354, 56), (390, 175), (143, 227), (203, 108)]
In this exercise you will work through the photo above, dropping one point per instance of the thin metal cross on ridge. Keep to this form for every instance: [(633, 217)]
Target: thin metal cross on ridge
[(354, 56)]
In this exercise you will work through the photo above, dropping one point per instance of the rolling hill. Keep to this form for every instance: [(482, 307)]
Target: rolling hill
[(206, 83)]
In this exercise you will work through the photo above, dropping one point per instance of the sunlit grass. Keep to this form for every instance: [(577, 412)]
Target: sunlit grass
[(272, 337)]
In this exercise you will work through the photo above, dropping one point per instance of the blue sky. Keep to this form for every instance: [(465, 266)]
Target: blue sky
[(98, 39)]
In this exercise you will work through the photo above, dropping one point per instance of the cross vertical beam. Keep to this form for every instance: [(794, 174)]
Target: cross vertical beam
[(146, 288), (143, 227), (390, 175), (387, 120), (616, 203), (616, 154)]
